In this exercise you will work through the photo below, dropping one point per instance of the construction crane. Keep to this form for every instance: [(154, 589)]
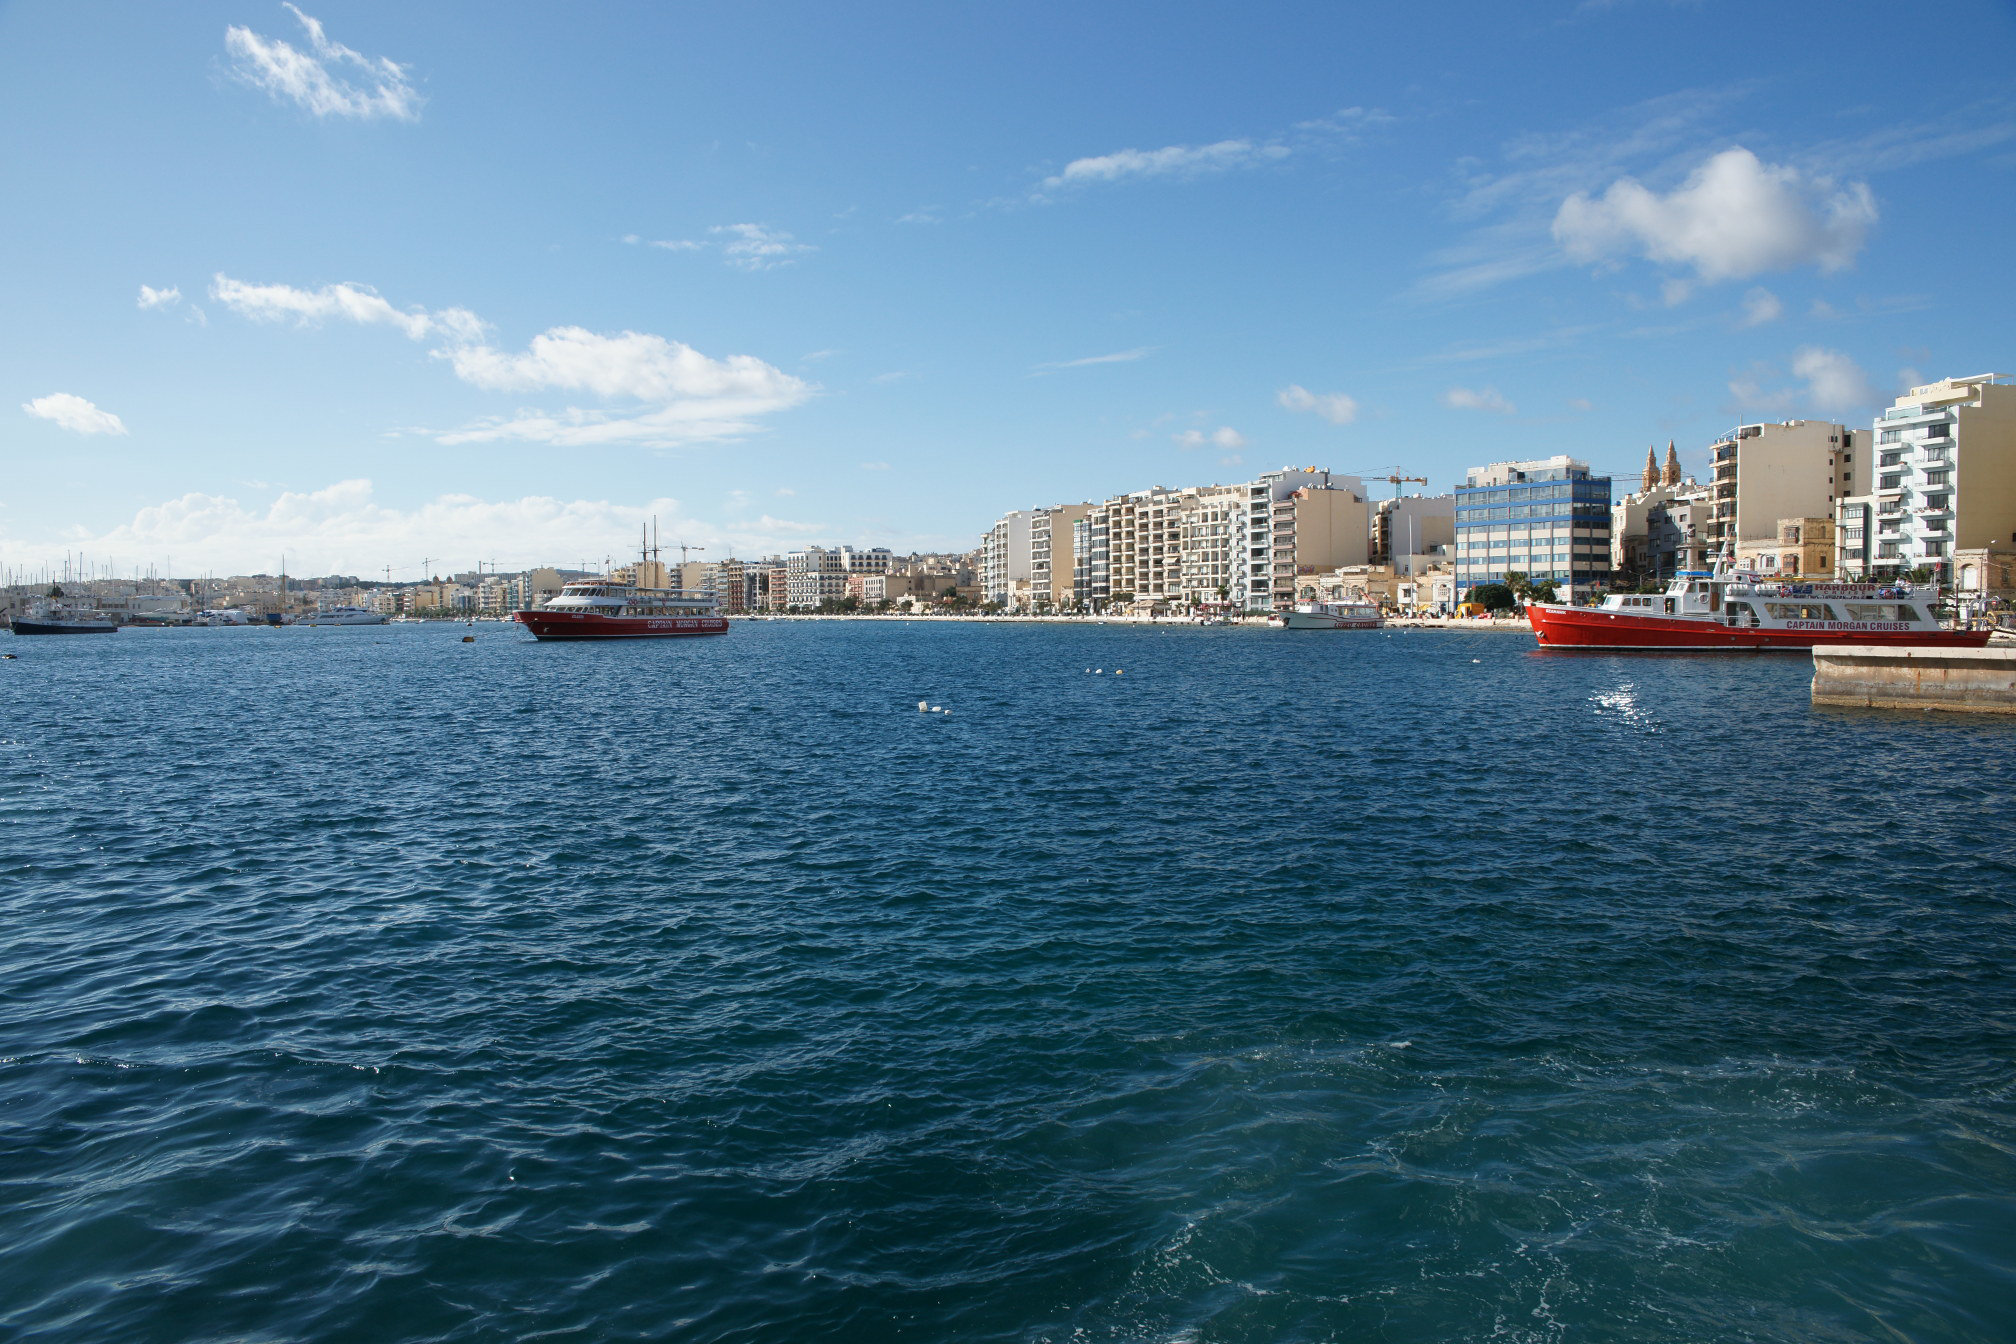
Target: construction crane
[(1399, 480)]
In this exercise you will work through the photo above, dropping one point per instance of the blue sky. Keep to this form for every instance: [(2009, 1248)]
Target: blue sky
[(373, 282)]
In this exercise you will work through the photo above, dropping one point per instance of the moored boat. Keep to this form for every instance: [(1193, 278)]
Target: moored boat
[(1328, 616), (55, 618), (341, 616), (1702, 612)]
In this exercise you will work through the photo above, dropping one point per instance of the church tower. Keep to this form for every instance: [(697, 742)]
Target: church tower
[(1672, 464), (1651, 468)]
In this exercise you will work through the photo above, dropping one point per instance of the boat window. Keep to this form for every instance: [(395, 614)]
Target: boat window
[(1741, 614), (1878, 611), (1801, 611)]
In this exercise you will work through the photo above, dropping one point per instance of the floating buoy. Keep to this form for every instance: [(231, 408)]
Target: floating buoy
[(923, 706), (1116, 671), (9, 655), (468, 639), (1476, 660)]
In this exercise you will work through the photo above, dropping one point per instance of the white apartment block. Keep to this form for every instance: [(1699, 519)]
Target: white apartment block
[(1005, 557), (1943, 482), (814, 576)]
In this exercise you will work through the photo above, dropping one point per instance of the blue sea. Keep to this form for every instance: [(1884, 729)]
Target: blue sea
[(1176, 986)]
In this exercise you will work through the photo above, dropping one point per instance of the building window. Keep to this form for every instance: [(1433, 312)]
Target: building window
[(1935, 548), (1886, 550), (1890, 436), (1889, 459), (1939, 478), (1890, 483)]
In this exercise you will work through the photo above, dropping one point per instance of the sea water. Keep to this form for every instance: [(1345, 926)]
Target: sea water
[(1174, 984)]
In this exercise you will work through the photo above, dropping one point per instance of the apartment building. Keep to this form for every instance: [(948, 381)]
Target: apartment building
[(1787, 469), (1944, 481), (1547, 518), (814, 576), (1313, 530), (1409, 531), (1052, 554), (1005, 556)]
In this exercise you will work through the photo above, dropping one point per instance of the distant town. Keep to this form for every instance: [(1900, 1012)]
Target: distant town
[(1811, 500)]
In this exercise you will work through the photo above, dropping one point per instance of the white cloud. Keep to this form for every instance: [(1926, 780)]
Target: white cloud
[(688, 397), (1117, 357), (1581, 404), (343, 529), (1673, 293), (351, 303), (329, 79), (1222, 437), (1832, 382), (1735, 216), (73, 413), (1761, 306), (1335, 407), (874, 466), (785, 492), (1477, 399), (1172, 160), (747, 247), (758, 247), (685, 396), (151, 297), (630, 364)]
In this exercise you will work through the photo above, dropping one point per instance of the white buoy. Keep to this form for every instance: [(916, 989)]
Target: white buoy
[(1116, 671), (923, 705), (1476, 660)]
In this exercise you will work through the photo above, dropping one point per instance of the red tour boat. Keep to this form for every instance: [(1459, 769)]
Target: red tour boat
[(1745, 613), (606, 609)]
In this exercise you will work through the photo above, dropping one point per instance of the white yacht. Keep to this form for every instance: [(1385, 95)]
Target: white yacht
[(341, 616)]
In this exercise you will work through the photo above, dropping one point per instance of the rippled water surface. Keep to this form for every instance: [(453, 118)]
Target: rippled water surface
[(362, 984)]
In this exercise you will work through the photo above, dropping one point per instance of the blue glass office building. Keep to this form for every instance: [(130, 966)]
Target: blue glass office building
[(1548, 519)]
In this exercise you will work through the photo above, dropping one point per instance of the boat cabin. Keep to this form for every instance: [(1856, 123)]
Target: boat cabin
[(1745, 601)]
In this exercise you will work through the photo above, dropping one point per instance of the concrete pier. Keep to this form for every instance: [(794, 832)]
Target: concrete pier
[(1969, 681)]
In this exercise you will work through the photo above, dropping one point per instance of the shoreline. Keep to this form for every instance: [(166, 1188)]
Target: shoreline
[(1515, 625)]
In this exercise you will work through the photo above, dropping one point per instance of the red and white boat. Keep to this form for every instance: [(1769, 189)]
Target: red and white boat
[(606, 609), (1744, 613), (1329, 616)]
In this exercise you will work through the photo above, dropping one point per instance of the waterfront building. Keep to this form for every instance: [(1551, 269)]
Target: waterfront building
[(1788, 469), (1315, 529), (1547, 518), (854, 560), (1663, 526), (1410, 528), (1052, 563), (813, 577), (1802, 548), (1944, 481), (1005, 556)]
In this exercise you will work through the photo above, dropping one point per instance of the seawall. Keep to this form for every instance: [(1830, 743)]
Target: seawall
[(1969, 681)]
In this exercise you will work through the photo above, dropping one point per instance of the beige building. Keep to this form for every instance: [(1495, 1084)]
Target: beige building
[(1802, 548), (1944, 481), (1317, 530), (1051, 556), (1788, 469)]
